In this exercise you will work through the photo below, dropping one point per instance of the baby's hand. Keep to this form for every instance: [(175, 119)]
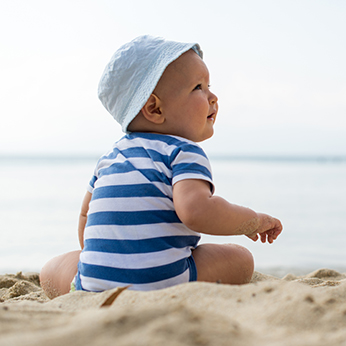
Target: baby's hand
[(268, 228)]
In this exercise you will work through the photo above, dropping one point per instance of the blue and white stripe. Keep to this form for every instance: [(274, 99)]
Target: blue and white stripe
[(133, 235)]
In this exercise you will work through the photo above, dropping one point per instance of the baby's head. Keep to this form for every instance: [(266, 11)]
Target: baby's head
[(154, 85)]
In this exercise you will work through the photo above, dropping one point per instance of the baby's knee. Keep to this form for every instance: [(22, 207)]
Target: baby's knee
[(250, 265), (244, 262), (48, 279), (245, 254), (226, 263), (57, 274)]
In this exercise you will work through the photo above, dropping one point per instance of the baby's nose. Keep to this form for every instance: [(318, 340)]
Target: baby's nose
[(213, 98)]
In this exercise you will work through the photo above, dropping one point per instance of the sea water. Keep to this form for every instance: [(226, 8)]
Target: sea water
[(40, 201)]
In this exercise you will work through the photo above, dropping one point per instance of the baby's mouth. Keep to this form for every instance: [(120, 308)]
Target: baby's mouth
[(211, 116)]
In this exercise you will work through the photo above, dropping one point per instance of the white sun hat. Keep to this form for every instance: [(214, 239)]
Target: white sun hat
[(133, 73)]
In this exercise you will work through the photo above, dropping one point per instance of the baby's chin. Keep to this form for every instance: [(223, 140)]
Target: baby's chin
[(203, 138)]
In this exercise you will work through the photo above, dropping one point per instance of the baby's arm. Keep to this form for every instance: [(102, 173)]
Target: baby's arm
[(83, 218), (202, 212)]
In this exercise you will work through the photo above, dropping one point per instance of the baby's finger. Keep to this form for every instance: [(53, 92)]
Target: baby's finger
[(263, 237), (253, 237), (272, 234), (270, 239), (276, 233)]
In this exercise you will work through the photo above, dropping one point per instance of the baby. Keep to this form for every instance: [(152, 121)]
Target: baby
[(152, 195)]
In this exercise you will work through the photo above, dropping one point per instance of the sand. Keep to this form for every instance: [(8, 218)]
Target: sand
[(305, 310)]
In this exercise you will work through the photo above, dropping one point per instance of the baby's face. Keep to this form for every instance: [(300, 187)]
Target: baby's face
[(187, 104)]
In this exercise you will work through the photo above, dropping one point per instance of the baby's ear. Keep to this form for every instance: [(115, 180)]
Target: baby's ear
[(152, 111)]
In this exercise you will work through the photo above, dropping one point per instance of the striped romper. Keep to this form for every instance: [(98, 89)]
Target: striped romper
[(133, 235)]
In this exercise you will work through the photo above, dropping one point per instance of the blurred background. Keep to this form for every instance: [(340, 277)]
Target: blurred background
[(278, 68)]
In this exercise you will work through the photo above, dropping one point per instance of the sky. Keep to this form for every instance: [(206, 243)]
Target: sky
[(277, 67)]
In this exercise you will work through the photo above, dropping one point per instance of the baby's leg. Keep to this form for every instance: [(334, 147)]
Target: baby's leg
[(57, 274), (226, 263)]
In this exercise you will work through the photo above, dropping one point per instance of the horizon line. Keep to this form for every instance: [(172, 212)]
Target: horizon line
[(216, 157)]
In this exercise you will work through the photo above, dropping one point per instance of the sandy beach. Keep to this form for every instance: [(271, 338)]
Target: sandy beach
[(304, 310)]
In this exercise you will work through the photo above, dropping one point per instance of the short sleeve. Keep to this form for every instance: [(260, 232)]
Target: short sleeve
[(91, 185), (190, 162)]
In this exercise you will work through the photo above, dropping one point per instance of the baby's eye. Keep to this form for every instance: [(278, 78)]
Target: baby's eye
[(198, 87)]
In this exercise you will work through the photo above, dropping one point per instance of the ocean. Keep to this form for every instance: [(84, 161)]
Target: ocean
[(41, 198)]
